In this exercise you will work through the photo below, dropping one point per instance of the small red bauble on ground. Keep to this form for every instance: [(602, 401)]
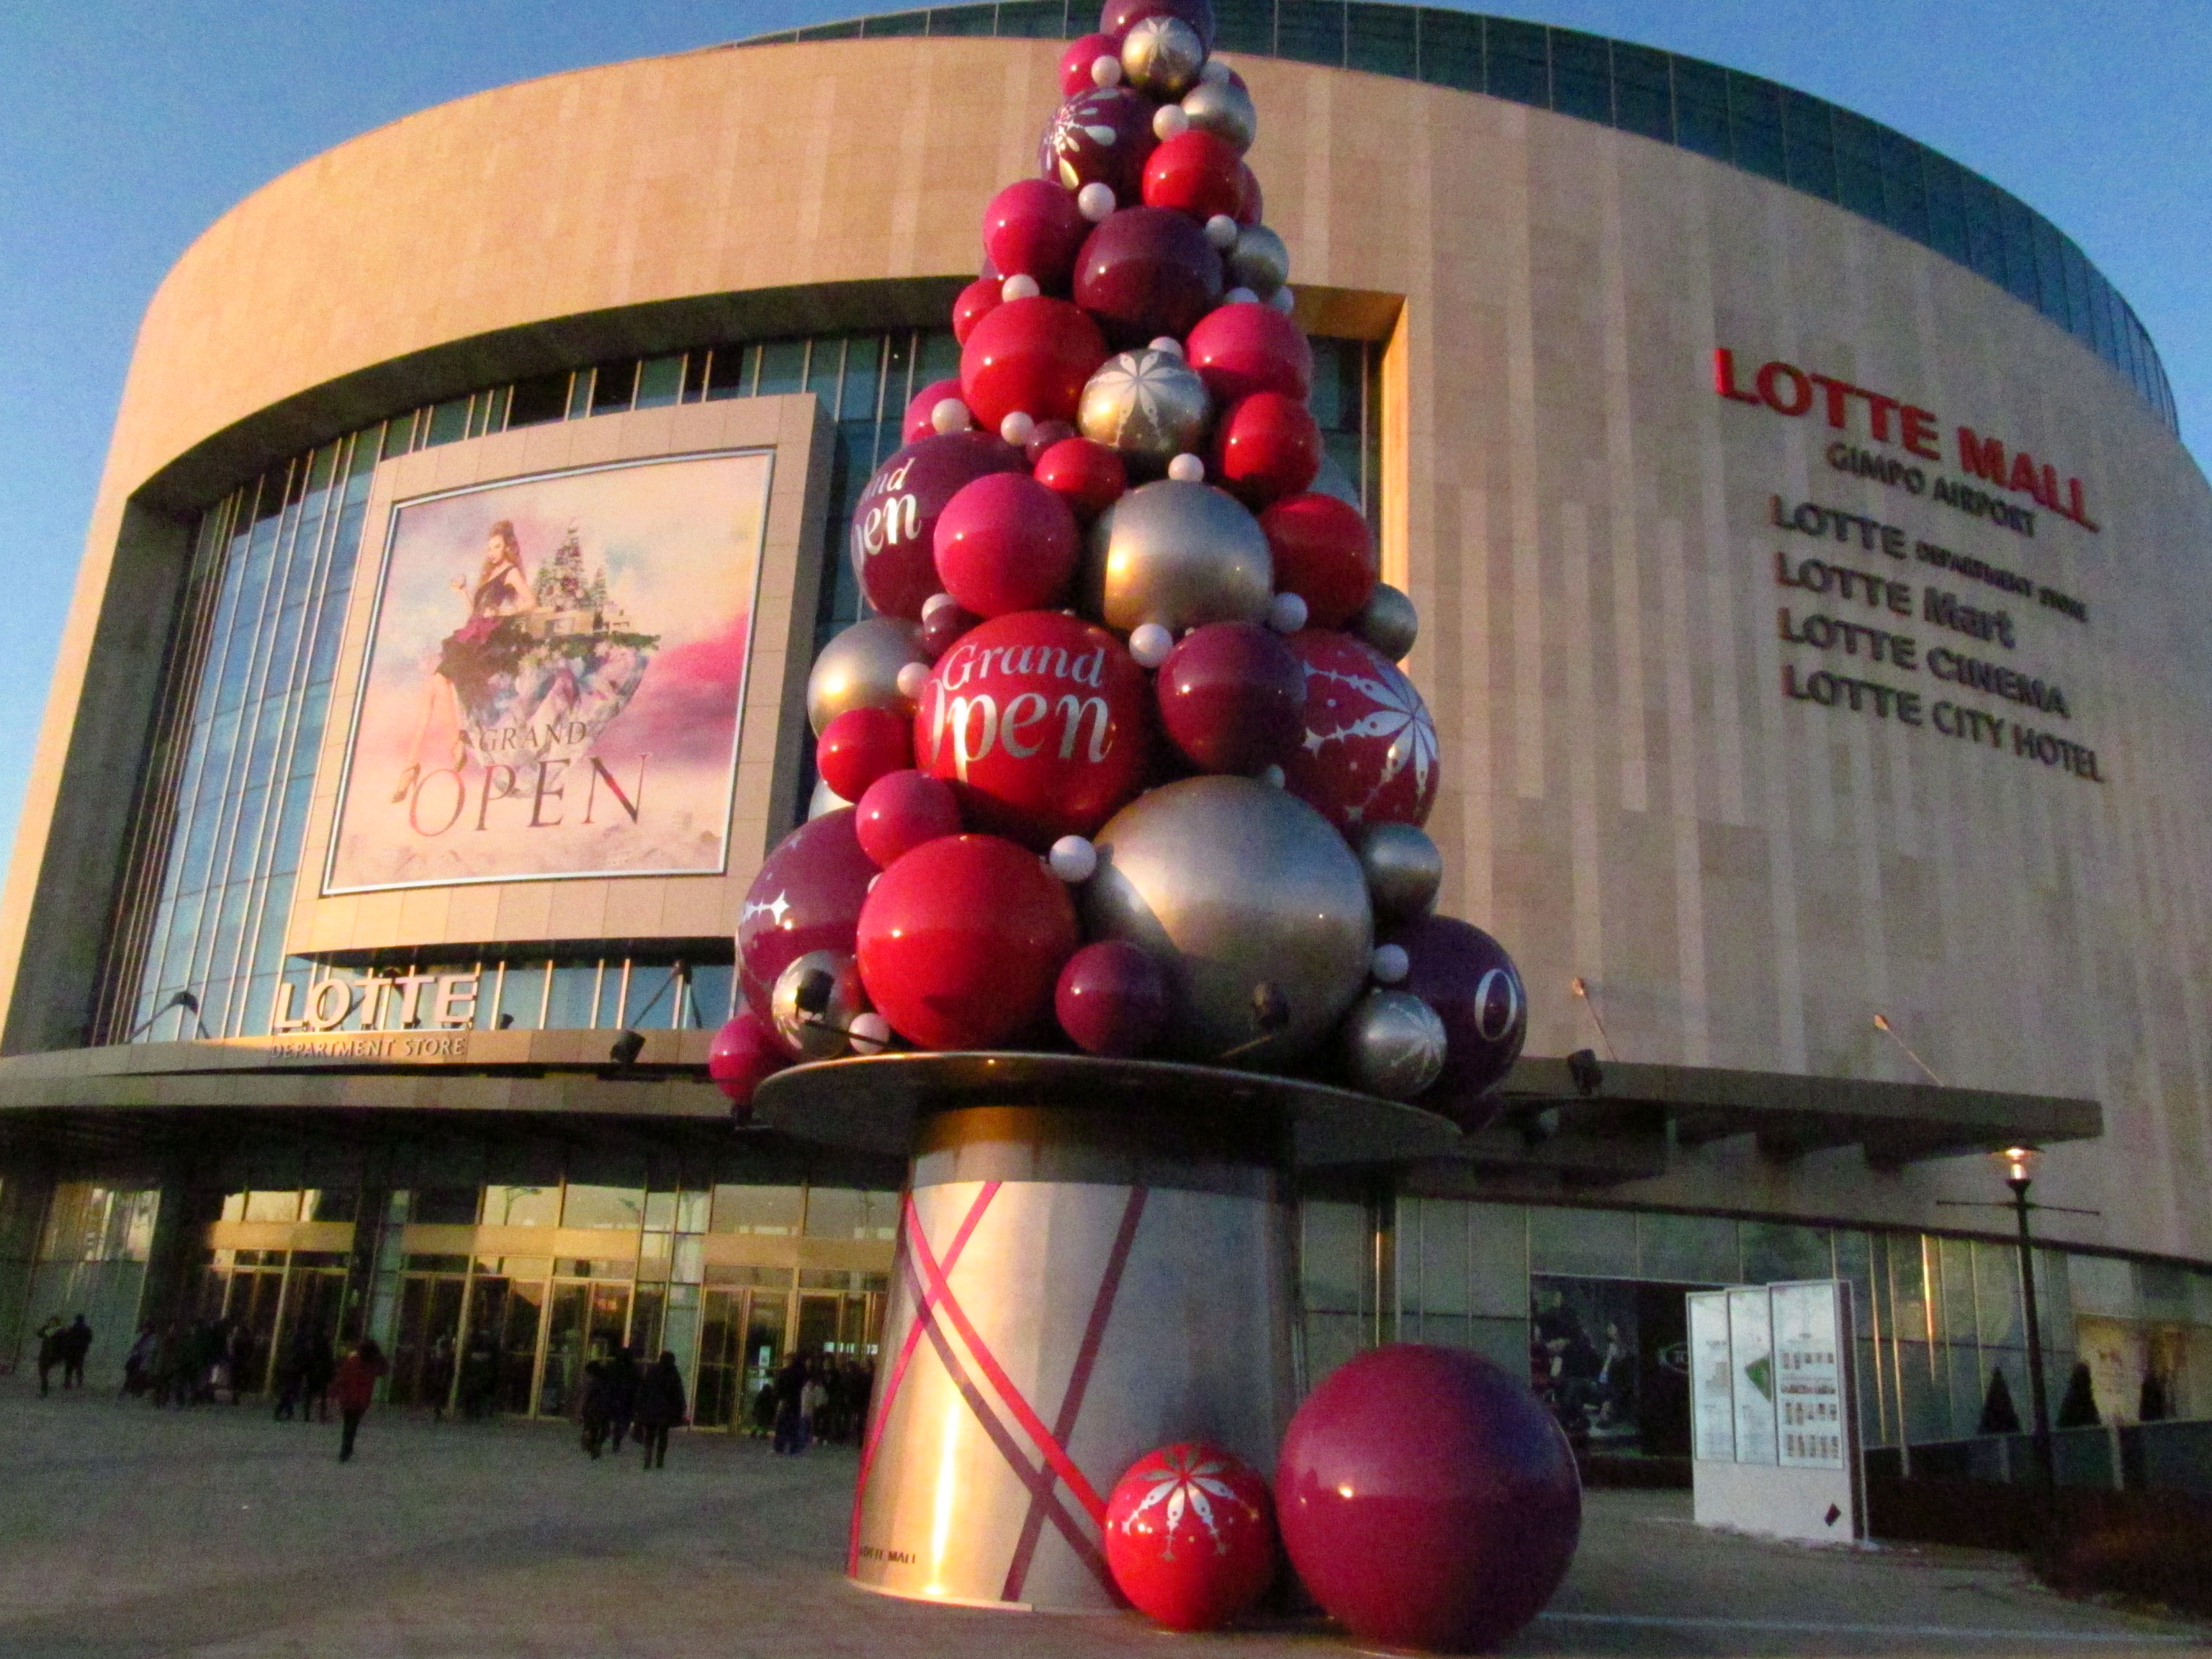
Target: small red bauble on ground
[(1232, 697), (1145, 272), (1075, 63), (1112, 1000), (805, 897), (1266, 447), (1324, 553), (1032, 228), (961, 941), (1088, 475), (1007, 542), (744, 1054), (901, 810), (1195, 173), (1116, 16), (1029, 356), (1103, 136), (1428, 1499), (921, 412), (1369, 750), (977, 300), (1465, 976), (1243, 348), (1190, 1536), (859, 747), (895, 522), (1039, 721)]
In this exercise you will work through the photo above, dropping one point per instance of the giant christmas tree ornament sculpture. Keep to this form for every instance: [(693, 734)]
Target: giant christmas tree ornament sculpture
[(1107, 1007)]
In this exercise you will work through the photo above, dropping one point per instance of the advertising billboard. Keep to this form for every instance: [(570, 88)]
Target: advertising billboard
[(555, 679)]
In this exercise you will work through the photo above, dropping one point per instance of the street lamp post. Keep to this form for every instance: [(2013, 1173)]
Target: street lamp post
[(2020, 1176)]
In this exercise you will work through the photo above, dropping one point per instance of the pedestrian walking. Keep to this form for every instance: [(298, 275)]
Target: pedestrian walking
[(791, 1407), (479, 1376), (242, 1354), (814, 1404), (438, 1377), (138, 1364), (75, 1343), (354, 1386), (597, 1397), (661, 1406), (764, 1412), (623, 1376), (50, 1352)]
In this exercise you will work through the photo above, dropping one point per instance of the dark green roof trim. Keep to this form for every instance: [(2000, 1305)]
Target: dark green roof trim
[(1772, 130)]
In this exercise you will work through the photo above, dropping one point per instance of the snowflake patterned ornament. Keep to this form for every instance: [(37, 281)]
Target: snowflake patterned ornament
[(1190, 1536), (1370, 755)]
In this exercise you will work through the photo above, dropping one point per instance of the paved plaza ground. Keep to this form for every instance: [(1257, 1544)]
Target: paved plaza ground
[(126, 1532)]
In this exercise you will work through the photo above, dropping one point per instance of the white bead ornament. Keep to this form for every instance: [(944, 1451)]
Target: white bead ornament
[(1286, 613), (1274, 776), (1391, 964), (911, 679), (1106, 70), (1221, 230), (1149, 643), (1016, 429), (1166, 343), (951, 414), (1216, 71), (1170, 122), (871, 1033), (935, 603), (1280, 298), (1019, 285), (1186, 469), (1095, 201), (1240, 296), (1072, 859)]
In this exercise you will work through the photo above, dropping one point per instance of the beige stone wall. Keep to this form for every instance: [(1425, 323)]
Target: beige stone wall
[(1742, 880)]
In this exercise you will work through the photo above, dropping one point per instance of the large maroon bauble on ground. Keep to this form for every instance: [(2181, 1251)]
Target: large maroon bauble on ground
[(1038, 721), (1240, 349), (805, 898), (1232, 697), (899, 811), (1266, 447), (1465, 976), (744, 1054), (859, 747), (1112, 999), (1032, 228), (1370, 751), (1193, 173), (961, 941), (1145, 272), (1428, 1499), (1116, 16), (894, 522), (1007, 542), (1324, 553), (1190, 1536), (921, 411), (1104, 136), (1031, 357)]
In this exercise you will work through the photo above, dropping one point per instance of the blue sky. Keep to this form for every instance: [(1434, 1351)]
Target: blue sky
[(127, 125)]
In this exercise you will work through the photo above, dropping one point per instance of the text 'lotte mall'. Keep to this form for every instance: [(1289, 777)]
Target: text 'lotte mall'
[(1816, 610)]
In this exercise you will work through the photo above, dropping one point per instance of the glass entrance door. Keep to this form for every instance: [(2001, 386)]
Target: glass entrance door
[(740, 1346), (423, 1354)]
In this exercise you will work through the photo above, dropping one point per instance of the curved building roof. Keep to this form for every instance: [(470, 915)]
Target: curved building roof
[(1764, 128)]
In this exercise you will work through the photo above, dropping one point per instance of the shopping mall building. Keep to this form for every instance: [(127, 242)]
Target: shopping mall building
[(1817, 619)]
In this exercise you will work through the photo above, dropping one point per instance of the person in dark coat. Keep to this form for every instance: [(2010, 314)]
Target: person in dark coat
[(765, 1411), (75, 1343), (138, 1364), (622, 1377), (315, 1379), (479, 1376), (438, 1377), (660, 1408), (791, 1407), (598, 1398), (50, 1352), (354, 1386)]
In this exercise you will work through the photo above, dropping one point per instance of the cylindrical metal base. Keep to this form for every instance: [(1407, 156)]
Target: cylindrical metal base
[(1074, 1287)]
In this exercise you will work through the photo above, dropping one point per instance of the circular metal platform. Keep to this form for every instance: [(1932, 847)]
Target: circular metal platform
[(871, 1104)]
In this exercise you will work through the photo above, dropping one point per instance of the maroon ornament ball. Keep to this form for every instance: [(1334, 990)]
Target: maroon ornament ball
[(1370, 751), (1266, 447), (1232, 697), (744, 1054), (1466, 977), (806, 897), (1195, 173), (1075, 63), (1428, 1499), (1243, 349), (859, 747), (1089, 476), (895, 522), (1038, 720), (1006, 543), (942, 626), (978, 300), (961, 942), (901, 810), (1146, 271), (1032, 228), (1115, 17), (1031, 357), (1103, 136), (1190, 1536), (1112, 1000), (1324, 553), (1043, 435), (921, 412), (1251, 204)]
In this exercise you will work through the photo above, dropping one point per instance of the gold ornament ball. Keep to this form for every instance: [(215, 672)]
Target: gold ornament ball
[(1404, 868), (858, 669), (1162, 55), (1223, 109), (1149, 404), (1181, 555), (1394, 1045), (1389, 622)]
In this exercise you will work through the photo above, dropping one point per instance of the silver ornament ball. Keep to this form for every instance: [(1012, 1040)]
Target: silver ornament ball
[(1334, 480), (1149, 405), (825, 799), (1403, 868), (858, 669), (1389, 622), (1394, 1045), (1259, 260), (1181, 555), (1223, 109), (815, 999), (1161, 57), (1253, 904)]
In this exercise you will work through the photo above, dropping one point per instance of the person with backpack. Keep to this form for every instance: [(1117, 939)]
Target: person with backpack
[(354, 1386)]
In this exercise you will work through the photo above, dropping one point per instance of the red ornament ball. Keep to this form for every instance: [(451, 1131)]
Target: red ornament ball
[(859, 747), (1007, 542), (901, 810), (1038, 721), (1112, 999), (805, 897), (1030, 357), (961, 941), (1190, 1536), (1147, 271), (1324, 553), (1243, 348), (1117, 17), (744, 1054), (1466, 977), (1251, 204), (977, 300), (1232, 697), (1428, 1499), (1368, 755), (1032, 228), (1103, 136), (895, 521), (1195, 173), (1266, 447), (1075, 63), (921, 412), (1089, 476)]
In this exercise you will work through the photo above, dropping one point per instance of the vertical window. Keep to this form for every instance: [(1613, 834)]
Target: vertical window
[(1381, 40), (1517, 64), (1451, 49), (1310, 31), (1582, 76)]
